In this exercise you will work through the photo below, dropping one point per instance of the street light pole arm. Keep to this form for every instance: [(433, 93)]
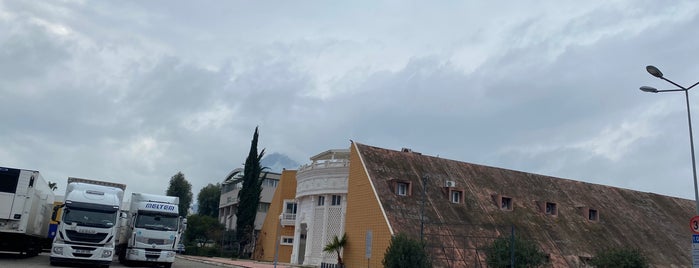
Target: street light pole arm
[(669, 90), (671, 82), (697, 83)]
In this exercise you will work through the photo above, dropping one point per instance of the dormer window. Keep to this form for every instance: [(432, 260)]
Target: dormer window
[(456, 196), (592, 215), (506, 203), (551, 209), (402, 188)]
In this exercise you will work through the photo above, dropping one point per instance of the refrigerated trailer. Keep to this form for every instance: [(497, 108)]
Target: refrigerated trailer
[(26, 202)]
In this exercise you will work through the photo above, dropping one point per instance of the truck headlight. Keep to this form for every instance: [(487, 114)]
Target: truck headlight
[(106, 253), (170, 254), (58, 250)]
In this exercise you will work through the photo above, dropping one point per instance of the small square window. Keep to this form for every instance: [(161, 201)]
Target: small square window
[(592, 215), (551, 209), (287, 240), (506, 203), (336, 200), (402, 188), (456, 196), (321, 200)]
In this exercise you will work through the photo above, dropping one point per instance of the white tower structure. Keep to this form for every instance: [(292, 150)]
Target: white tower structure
[(321, 195)]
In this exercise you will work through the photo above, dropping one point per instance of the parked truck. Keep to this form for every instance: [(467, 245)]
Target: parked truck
[(25, 210), (152, 230), (88, 226)]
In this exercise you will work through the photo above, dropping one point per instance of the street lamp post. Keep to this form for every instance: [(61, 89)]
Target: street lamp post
[(422, 208), (657, 73)]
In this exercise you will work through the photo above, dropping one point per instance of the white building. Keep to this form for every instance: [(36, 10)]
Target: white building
[(320, 207), (228, 203)]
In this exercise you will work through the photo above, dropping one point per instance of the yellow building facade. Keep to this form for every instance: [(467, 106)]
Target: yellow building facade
[(272, 229)]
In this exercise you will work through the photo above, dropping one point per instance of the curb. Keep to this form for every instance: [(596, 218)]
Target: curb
[(208, 262)]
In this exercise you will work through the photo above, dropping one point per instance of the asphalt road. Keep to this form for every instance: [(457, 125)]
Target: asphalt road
[(16, 260)]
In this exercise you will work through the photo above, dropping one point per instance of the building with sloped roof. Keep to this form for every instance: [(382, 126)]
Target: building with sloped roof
[(460, 208), (467, 206)]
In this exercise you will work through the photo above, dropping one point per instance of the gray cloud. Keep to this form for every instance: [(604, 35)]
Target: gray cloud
[(136, 92)]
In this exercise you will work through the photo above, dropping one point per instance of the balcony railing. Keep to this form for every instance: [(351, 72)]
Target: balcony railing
[(326, 164), (288, 216), (288, 219)]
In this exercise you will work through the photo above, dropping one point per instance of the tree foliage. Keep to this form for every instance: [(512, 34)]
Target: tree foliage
[(180, 187), (249, 196), (336, 246), (208, 199), (202, 229), (405, 252), (527, 253), (621, 258)]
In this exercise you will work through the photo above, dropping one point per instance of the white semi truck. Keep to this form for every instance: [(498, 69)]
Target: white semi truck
[(152, 230), (89, 224), (26, 203)]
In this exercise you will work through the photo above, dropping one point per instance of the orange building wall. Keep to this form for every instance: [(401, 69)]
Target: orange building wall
[(363, 213), (266, 243)]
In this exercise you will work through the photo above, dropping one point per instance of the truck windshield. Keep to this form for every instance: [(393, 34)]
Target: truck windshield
[(157, 222), (89, 217)]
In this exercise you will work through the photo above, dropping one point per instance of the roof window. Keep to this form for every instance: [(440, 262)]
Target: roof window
[(551, 209), (506, 203), (592, 215)]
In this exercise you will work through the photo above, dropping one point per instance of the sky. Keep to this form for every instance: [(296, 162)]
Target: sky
[(136, 91)]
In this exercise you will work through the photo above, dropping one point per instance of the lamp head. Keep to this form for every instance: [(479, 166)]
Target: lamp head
[(649, 89), (654, 71)]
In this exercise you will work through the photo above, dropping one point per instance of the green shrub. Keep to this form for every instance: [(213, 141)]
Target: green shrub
[(527, 253), (404, 252), (620, 258)]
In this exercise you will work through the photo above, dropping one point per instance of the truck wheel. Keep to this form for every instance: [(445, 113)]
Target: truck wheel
[(168, 265)]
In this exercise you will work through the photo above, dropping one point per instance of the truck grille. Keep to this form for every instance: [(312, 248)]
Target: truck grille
[(156, 241), (152, 253), (92, 238)]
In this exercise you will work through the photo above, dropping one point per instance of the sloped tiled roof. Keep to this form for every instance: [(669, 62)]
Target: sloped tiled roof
[(457, 233)]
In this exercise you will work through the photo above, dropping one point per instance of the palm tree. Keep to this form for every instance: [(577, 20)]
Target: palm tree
[(336, 245)]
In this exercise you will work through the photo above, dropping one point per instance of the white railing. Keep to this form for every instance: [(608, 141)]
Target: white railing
[(326, 164), (288, 216)]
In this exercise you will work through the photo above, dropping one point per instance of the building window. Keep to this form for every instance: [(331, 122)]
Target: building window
[(506, 203), (456, 196), (321, 200), (287, 240), (336, 200), (551, 209), (289, 211), (263, 207), (592, 215), (270, 183), (402, 188)]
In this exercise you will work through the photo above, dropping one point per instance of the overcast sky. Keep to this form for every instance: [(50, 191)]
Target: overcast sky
[(135, 91)]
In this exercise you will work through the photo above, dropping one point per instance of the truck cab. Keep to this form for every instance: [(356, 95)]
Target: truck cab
[(88, 225), (152, 230)]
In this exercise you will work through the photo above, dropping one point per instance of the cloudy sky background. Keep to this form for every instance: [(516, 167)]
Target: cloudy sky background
[(135, 91)]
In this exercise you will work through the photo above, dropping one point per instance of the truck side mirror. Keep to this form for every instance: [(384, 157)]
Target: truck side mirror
[(55, 213)]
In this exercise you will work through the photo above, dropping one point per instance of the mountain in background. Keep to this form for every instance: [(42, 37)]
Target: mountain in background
[(276, 162)]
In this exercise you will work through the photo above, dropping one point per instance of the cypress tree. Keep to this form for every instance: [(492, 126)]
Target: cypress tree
[(249, 196)]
